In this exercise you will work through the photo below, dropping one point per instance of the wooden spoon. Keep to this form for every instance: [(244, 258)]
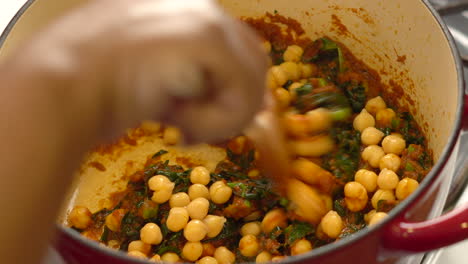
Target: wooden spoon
[(269, 138)]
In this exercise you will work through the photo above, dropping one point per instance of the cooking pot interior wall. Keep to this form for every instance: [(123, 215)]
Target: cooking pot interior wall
[(400, 39)]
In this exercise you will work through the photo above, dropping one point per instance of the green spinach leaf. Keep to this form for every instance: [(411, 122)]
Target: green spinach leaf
[(297, 231), (160, 153)]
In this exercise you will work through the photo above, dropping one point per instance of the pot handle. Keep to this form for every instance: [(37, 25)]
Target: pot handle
[(428, 235)]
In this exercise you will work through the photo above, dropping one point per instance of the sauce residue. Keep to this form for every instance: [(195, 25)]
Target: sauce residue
[(97, 165)]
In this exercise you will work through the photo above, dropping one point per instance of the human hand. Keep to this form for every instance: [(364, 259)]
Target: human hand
[(179, 61)]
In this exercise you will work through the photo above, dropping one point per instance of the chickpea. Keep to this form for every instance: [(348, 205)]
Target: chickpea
[(249, 246), (198, 190), (266, 46), (384, 117), (156, 258), (220, 193), (292, 70), (172, 136), (160, 182), (140, 246), (80, 217), (274, 218), (296, 125), (380, 194), (318, 120), (293, 53), (393, 144), (283, 98), (237, 145), (372, 154), (200, 175), (179, 199), (301, 246), (390, 161), (151, 234), (161, 196), (195, 230), (367, 178), (214, 224), (377, 217), (207, 260), (136, 254), (308, 70), (198, 208), (387, 180), (252, 228), (363, 121), (371, 136), (314, 146), (177, 219), (375, 104), (355, 196), (369, 215), (405, 187), (192, 251), (332, 224), (208, 249), (224, 256), (170, 257), (114, 219), (263, 257), (276, 76), (292, 90), (305, 200)]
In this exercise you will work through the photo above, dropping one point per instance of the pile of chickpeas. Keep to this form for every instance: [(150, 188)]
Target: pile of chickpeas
[(189, 212), (382, 153), (308, 139), (306, 130), (379, 181)]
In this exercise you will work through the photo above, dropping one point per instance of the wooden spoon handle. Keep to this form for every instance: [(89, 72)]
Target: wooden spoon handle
[(269, 138)]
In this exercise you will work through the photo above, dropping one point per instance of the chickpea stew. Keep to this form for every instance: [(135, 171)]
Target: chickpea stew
[(361, 155)]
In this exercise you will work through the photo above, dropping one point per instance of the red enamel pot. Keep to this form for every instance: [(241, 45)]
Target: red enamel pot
[(408, 44)]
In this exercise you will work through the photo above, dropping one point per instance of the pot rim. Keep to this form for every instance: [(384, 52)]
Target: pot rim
[(427, 182)]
